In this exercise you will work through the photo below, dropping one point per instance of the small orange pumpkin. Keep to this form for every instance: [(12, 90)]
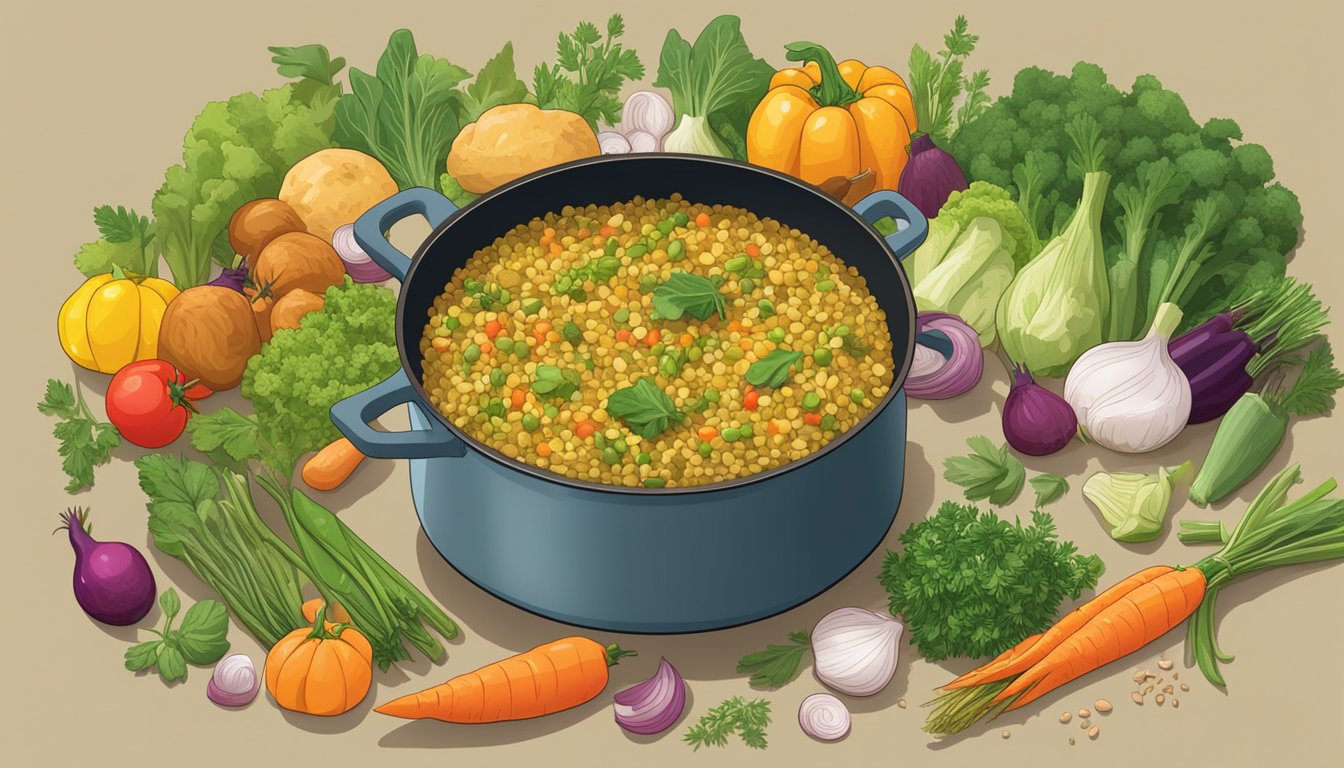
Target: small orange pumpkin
[(323, 670)]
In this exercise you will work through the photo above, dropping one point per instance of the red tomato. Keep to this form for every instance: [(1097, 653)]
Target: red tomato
[(149, 402)]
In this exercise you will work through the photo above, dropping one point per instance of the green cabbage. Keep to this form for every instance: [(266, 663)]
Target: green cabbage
[(963, 271), (985, 199)]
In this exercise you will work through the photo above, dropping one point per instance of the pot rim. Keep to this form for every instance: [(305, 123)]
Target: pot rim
[(422, 399)]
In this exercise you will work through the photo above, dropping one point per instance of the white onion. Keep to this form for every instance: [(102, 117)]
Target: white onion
[(642, 141), (613, 143), (234, 682), (855, 650), (823, 717), (648, 112), (360, 266)]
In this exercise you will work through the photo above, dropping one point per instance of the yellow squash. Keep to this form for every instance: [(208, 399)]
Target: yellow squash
[(113, 320), (824, 120)]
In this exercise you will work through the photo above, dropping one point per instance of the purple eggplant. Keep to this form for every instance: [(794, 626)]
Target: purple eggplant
[(1200, 335), (1214, 358)]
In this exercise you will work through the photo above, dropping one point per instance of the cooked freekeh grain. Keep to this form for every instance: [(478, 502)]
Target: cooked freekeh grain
[(529, 342)]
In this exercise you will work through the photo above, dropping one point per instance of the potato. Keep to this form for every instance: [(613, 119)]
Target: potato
[(513, 140), (289, 310), (298, 260), (209, 334), (259, 222), (333, 187)]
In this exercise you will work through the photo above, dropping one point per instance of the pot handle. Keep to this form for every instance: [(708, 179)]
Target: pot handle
[(887, 203), (353, 414), (369, 228)]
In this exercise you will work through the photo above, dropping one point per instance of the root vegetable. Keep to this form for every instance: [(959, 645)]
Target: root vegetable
[(209, 333), (298, 261), (289, 309), (330, 467), (258, 223), (512, 140), (332, 187)]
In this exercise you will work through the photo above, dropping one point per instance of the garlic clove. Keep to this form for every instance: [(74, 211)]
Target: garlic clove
[(642, 141), (649, 112), (613, 143), (855, 650)]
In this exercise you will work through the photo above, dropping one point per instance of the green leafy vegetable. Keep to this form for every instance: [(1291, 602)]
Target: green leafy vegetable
[(200, 640), (85, 442), (1049, 489), (988, 473), (406, 115), (645, 408), (777, 664), (937, 83), (748, 719), (454, 191), (971, 584), (715, 85), (127, 242), (236, 151), (497, 83), (983, 199), (342, 349), (1312, 392), (773, 369), (963, 270), (1158, 186), (598, 67), (554, 381), (686, 293)]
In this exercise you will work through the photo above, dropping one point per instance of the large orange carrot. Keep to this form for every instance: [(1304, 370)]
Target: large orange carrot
[(1001, 668), (546, 679)]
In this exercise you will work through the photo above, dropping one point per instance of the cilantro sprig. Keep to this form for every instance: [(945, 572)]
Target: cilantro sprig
[(86, 442), (988, 473), (596, 68)]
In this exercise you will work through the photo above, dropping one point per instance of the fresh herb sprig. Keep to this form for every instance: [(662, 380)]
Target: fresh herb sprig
[(988, 473), (554, 381), (201, 639), (1049, 488), (748, 719), (645, 408), (86, 442), (688, 294), (597, 69), (936, 83), (777, 664), (773, 369), (1312, 392)]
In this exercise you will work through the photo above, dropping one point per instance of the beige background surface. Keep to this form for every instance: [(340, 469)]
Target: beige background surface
[(98, 98)]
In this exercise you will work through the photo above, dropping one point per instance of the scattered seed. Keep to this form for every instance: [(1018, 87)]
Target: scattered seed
[(1137, 697), (1149, 676), (1175, 703), (1175, 675), (1066, 717), (1084, 713), (1165, 663), (1071, 741), (1160, 680), (1147, 690), (1102, 705), (1094, 733), (1160, 699), (1140, 676), (1084, 725), (1185, 688), (1006, 734), (901, 703), (1168, 689)]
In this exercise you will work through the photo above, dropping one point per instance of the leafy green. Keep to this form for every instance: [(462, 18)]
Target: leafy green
[(236, 151), (777, 664), (1257, 220), (1313, 390), (554, 381), (1157, 186), (127, 242), (454, 191), (406, 115), (983, 199), (716, 82), (1049, 488), (497, 83), (963, 269), (748, 719), (226, 436), (85, 442), (201, 640), (645, 408), (988, 473), (971, 584), (686, 293), (344, 348), (597, 69), (773, 369), (937, 83)]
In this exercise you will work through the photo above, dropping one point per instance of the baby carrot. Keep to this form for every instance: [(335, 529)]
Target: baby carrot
[(332, 466)]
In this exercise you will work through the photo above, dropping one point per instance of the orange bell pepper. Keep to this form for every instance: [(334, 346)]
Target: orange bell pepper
[(824, 119)]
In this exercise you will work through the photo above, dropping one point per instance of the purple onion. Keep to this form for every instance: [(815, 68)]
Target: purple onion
[(1036, 421), (1214, 356), (948, 360), (1199, 335), (359, 265), (654, 705), (234, 683), (232, 277), (113, 582), (930, 176)]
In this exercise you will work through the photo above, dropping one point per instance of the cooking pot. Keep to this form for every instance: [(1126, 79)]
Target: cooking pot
[(639, 559)]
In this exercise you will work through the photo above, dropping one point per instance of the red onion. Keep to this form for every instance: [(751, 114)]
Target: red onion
[(654, 705), (234, 682), (113, 582), (823, 717), (231, 277), (948, 360), (358, 264), (930, 176), (1036, 421)]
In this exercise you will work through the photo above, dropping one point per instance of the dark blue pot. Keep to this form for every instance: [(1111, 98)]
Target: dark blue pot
[(637, 559)]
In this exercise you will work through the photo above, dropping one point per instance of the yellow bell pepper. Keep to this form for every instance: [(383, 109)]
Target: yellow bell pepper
[(824, 119), (113, 320)]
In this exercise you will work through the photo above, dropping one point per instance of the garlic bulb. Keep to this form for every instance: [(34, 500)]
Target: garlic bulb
[(1130, 396), (855, 650), (613, 143), (648, 112), (642, 141)]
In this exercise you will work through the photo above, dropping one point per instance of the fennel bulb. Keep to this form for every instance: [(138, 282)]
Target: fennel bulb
[(693, 136), (971, 277)]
